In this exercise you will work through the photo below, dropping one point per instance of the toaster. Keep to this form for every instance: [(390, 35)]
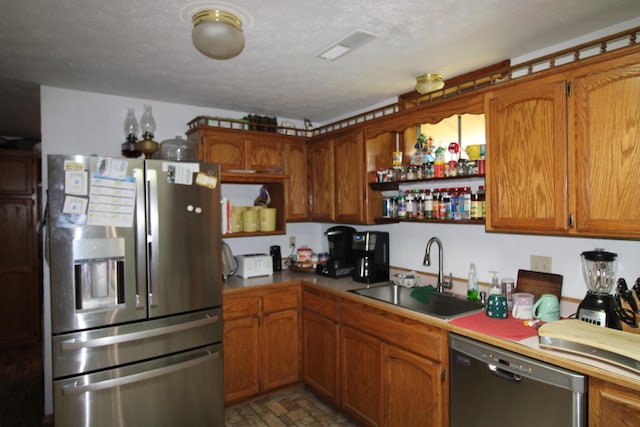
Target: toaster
[(253, 265)]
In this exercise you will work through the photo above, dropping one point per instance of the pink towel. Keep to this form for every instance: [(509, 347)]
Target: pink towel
[(509, 328)]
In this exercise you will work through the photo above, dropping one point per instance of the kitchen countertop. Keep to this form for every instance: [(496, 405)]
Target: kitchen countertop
[(528, 346)]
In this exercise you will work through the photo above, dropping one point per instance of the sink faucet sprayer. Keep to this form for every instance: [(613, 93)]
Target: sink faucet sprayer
[(427, 261)]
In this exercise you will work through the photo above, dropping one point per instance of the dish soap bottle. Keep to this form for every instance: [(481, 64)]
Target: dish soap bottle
[(472, 284), (495, 287)]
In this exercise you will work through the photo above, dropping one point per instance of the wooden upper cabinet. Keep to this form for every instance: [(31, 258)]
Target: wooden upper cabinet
[(321, 162), (350, 177), (226, 149), (265, 154), (606, 141), (297, 167), (237, 150), (527, 158), (17, 173), (563, 151), (338, 178)]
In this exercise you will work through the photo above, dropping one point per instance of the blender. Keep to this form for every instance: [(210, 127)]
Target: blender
[(599, 306)]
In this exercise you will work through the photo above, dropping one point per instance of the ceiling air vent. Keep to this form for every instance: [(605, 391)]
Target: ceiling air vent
[(346, 44)]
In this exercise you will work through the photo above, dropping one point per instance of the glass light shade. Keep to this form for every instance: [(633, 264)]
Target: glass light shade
[(147, 123), (426, 83), (217, 34), (131, 125)]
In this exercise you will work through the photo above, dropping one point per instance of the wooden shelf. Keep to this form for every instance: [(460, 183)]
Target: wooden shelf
[(394, 185), (381, 220), (251, 178), (254, 234)]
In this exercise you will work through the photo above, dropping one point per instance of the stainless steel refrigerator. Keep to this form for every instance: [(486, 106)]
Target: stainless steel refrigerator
[(136, 292)]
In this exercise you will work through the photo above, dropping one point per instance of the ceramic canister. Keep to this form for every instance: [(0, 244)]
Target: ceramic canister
[(497, 307)]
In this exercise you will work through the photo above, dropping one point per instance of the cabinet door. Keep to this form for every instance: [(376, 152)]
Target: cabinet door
[(265, 155), (17, 173), (297, 183), (320, 344), (607, 148), (20, 309), (349, 177), (611, 405), (322, 180), (241, 358), (20, 287), (360, 369), (412, 389), (281, 349), (228, 149), (527, 158)]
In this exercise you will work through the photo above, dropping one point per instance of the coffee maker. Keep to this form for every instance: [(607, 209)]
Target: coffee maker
[(371, 253), (599, 306), (341, 261)]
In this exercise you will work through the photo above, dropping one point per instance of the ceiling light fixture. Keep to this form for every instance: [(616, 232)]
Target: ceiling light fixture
[(427, 83), (217, 33)]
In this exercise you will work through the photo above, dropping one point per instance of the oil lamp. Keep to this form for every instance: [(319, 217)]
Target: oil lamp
[(148, 126), (129, 148)]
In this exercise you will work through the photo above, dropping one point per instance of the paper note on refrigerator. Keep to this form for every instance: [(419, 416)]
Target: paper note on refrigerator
[(111, 201)]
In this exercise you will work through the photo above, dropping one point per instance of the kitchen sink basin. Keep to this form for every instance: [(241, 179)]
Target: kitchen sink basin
[(441, 305)]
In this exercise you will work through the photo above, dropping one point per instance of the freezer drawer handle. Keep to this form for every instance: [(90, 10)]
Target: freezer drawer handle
[(75, 388), (134, 336)]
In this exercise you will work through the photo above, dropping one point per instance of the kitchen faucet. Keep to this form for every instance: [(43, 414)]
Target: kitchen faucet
[(427, 261)]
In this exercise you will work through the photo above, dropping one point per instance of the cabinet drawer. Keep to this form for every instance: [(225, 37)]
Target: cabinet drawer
[(321, 304), (280, 300), (240, 306), (406, 333)]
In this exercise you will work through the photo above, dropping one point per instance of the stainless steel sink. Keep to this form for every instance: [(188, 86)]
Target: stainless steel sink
[(443, 306)]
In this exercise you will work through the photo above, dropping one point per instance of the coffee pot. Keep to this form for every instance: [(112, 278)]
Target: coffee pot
[(371, 253), (341, 260)]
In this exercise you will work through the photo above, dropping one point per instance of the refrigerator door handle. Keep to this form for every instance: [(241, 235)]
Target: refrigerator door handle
[(153, 256), (76, 388), (135, 336), (141, 236)]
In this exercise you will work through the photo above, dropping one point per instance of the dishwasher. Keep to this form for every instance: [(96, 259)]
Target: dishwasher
[(490, 386)]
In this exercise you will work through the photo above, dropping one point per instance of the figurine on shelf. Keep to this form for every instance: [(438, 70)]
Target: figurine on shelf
[(424, 151), (264, 198), (454, 151)]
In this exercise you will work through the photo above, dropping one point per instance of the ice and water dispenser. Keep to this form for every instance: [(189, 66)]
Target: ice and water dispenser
[(99, 273)]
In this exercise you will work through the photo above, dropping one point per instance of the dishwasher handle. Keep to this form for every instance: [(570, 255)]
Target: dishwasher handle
[(505, 375)]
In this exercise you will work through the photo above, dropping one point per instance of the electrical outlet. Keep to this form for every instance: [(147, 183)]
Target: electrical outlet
[(541, 263), (292, 242)]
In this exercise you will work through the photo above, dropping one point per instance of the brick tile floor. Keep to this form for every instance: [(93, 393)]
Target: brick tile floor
[(291, 407)]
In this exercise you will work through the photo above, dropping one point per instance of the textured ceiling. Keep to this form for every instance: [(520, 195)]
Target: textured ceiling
[(142, 49)]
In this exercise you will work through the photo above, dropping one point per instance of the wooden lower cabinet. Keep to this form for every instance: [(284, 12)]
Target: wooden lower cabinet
[(261, 341), (241, 348), (390, 368), (320, 346), (611, 405), (412, 388), (281, 349), (360, 385)]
